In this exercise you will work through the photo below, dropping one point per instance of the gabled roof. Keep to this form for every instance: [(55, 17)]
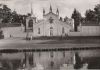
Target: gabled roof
[(50, 13)]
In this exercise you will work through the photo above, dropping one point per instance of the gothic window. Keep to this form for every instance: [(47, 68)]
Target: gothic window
[(63, 30), (30, 24), (51, 20), (51, 31), (38, 30)]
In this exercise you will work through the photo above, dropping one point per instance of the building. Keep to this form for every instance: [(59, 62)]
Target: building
[(51, 25)]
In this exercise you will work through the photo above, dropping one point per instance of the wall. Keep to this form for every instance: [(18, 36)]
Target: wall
[(14, 32), (86, 31)]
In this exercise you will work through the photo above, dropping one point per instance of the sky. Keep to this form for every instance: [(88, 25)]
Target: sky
[(65, 7)]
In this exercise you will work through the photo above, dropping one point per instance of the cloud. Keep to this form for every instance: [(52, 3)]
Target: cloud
[(66, 7)]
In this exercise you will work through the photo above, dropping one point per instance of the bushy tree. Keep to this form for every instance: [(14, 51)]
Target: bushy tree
[(93, 15), (97, 12), (7, 14), (90, 15)]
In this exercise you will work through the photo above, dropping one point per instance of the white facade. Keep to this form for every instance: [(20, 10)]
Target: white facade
[(51, 25)]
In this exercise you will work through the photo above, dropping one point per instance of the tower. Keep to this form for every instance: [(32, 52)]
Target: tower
[(57, 12), (30, 20), (50, 9)]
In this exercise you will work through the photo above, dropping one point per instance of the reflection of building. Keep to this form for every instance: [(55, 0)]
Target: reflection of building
[(56, 59)]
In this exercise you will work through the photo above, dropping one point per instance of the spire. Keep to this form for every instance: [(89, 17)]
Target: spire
[(32, 14), (50, 8), (31, 10), (57, 12)]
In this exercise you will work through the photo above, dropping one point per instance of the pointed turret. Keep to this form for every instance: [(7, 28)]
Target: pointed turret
[(31, 10), (32, 14), (50, 8), (57, 12)]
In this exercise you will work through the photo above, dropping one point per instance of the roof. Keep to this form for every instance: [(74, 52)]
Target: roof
[(50, 13)]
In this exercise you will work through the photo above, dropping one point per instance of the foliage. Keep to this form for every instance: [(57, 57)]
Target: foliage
[(77, 18), (93, 15), (97, 12), (90, 15)]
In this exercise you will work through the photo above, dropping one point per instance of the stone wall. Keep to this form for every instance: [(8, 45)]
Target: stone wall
[(13, 32), (86, 31)]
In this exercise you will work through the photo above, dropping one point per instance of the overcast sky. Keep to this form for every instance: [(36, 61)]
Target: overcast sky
[(65, 7)]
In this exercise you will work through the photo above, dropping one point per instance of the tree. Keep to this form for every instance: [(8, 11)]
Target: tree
[(77, 19), (6, 14), (97, 12), (6, 8), (90, 15)]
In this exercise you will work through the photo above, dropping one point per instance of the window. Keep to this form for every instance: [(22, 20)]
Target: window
[(63, 30), (38, 30), (30, 24), (51, 31), (51, 20)]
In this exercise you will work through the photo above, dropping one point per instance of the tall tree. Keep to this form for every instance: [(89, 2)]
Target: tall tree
[(97, 12), (77, 18), (6, 14)]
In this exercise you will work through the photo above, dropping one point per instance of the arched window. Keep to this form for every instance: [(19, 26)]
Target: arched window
[(51, 31), (51, 20), (30, 24), (38, 30), (63, 30)]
